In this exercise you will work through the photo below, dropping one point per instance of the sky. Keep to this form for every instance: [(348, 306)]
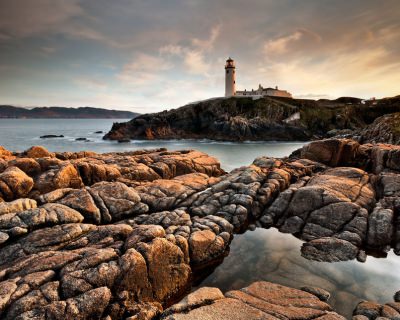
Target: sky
[(150, 55)]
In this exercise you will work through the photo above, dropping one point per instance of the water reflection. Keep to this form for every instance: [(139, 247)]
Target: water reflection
[(272, 256)]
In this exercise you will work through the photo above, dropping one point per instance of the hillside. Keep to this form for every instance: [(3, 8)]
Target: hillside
[(64, 113), (239, 119)]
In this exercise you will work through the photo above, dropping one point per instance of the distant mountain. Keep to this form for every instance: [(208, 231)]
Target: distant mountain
[(64, 113)]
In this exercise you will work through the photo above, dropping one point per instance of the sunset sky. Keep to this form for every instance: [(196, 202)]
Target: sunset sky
[(151, 55)]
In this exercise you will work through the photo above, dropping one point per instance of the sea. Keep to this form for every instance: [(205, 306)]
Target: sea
[(254, 255)]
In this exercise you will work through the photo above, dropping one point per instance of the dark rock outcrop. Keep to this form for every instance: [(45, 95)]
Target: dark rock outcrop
[(268, 118)]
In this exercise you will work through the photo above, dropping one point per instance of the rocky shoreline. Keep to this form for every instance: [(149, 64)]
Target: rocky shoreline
[(268, 119), (122, 235)]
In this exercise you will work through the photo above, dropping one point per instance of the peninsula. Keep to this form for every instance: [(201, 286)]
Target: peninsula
[(7, 111)]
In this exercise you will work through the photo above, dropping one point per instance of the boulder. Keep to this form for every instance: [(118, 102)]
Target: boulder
[(329, 249), (14, 184), (38, 152)]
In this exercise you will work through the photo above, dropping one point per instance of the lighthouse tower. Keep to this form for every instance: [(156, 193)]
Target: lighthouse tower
[(230, 78)]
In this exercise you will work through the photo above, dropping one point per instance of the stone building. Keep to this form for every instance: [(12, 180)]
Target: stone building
[(230, 85)]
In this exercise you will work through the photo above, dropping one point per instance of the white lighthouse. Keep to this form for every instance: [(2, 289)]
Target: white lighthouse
[(230, 78)]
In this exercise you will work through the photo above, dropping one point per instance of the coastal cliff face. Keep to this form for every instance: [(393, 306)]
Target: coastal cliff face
[(239, 119), (122, 235)]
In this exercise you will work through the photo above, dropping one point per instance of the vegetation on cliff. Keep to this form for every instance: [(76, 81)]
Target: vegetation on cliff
[(268, 118)]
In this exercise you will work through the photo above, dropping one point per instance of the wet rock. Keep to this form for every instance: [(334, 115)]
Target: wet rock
[(321, 294), (329, 249), (397, 296), (369, 309), (49, 136), (380, 227)]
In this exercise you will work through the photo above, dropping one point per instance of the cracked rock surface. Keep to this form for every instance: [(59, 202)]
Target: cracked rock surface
[(122, 235)]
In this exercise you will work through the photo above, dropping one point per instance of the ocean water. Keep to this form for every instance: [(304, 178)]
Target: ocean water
[(255, 255), (20, 134)]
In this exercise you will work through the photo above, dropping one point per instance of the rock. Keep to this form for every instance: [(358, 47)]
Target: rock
[(49, 136), (17, 206), (397, 296), (5, 154), (65, 176), (38, 152), (369, 309), (321, 294), (261, 300), (14, 184), (329, 249), (205, 245), (116, 201), (47, 215), (29, 165), (168, 273), (134, 229), (200, 297), (91, 172), (380, 227)]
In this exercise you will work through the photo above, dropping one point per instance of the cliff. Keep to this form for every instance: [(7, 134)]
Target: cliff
[(63, 113), (239, 119)]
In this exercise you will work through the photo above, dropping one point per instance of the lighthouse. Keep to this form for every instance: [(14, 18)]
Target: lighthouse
[(230, 78)]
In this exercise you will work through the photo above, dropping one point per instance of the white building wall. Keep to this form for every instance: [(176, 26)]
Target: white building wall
[(230, 81)]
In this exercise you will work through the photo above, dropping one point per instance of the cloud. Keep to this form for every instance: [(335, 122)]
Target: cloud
[(48, 50), (23, 18), (208, 44), (170, 52), (194, 55), (280, 45), (288, 42), (195, 62), (144, 69), (91, 83)]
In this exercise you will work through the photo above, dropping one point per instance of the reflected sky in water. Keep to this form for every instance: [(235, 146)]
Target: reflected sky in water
[(273, 256)]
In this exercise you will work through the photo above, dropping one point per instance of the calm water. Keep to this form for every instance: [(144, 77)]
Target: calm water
[(257, 255), (20, 134), (273, 256)]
